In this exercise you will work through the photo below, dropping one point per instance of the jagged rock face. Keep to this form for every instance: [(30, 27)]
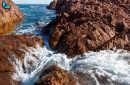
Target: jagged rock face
[(125, 4), (89, 25), (9, 18), (54, 75)]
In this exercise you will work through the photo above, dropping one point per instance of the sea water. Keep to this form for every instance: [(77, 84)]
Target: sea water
[(115, 65), (36, 16)]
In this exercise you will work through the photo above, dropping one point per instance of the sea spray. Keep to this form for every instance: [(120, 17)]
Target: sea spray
[(112, 64), (35, 61)]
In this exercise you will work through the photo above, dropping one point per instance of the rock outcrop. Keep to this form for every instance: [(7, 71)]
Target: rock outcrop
[(11, 47), (54, 75), (90, 25), (9, 17)]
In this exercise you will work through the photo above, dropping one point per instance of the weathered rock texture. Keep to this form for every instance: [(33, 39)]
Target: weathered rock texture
[(54, 75), (9, 17), (90, 25), (12, 46), (5, 79)]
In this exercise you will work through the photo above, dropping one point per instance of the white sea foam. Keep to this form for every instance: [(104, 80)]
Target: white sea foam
[(27, 30), (114, 65)]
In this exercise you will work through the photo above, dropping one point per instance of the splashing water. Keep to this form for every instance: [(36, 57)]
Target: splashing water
[(35, 61), (114, 65)]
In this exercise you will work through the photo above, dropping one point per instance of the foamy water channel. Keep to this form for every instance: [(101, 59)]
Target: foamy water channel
[(112, 64)]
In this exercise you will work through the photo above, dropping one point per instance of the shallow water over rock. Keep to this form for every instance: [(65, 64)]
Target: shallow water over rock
[(92, 68)]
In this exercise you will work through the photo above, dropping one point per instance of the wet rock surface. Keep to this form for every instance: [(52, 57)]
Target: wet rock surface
[(90, 25), (54, 75), (5, 79), (9, 17), (11, 47)]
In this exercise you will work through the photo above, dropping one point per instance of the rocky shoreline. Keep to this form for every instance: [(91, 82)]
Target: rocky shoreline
[(87, 25), (80, 26), (90, 25), (11, 45)]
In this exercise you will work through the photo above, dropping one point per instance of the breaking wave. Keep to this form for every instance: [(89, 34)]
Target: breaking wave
[(114, 65)]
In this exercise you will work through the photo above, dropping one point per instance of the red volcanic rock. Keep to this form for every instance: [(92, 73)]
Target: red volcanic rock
[(9, 18), (56, 76), (89, 25)]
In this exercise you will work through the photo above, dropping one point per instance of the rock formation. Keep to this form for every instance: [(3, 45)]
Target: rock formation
[(54, 75), (9, 18), (12, 46), (90, 25)]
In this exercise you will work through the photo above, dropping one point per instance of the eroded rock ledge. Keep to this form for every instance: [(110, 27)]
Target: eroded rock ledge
[(90, 25)]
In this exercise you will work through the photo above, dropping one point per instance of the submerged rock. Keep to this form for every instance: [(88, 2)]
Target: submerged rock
[(89, 25), (54, 75), (9, 17)]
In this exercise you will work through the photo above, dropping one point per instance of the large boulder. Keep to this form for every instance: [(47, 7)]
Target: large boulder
[(9, 17), (55, 75), (89, 25)]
